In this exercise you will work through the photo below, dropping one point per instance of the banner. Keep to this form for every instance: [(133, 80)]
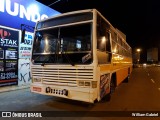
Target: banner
[(13, 13), (8, 56), (25, 49)]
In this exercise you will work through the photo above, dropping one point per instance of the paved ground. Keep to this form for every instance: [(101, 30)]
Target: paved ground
[(142, 93)]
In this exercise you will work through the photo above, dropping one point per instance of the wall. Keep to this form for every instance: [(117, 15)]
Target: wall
[(152, 55), (25, 50)]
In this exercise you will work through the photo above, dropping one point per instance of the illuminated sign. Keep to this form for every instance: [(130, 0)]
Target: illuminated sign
[(23, 12), (25, 49), (8, 56)]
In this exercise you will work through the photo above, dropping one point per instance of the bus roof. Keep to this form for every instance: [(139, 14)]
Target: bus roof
[(68, 13)]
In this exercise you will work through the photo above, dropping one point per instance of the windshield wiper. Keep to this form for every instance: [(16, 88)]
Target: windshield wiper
[(68, 59), (66, 56), (47, 60)]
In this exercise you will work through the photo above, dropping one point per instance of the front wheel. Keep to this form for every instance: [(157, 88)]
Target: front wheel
[(112, 89), (112, 86)]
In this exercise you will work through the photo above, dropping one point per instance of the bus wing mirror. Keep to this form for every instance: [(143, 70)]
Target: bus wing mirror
[(23, 35), (39, 36)]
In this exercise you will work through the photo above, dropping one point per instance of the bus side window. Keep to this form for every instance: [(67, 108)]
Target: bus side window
[(108, 47), (101, 32), (103, 41)]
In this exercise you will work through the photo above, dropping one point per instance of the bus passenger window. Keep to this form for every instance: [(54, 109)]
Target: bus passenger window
[(103, 41), (108, 47)]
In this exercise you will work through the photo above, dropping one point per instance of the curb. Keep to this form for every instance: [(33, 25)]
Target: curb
[(13, 88)]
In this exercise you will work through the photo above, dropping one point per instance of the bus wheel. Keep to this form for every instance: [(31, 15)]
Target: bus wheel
[(126, 80), (112, 85), (107, 97), (112, 88)]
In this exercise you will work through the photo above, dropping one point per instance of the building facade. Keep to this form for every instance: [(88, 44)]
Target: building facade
[(14, 55), (152, 55)]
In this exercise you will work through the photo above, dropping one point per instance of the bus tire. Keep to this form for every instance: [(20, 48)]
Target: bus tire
[(107, 97), (126, 80), (112, 87), (113, 84)]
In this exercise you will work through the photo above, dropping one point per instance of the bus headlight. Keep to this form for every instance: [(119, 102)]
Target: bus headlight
[(81, 83), (87, 84), (84, 83), (37, 79), (94, 84)]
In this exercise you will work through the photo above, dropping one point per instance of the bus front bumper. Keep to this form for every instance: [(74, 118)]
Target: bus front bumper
[(73, 93)]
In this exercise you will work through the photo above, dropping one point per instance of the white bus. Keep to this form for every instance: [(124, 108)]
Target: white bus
[(80, 56)]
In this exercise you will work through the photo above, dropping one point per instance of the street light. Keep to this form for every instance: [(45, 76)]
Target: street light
[(138, 50), (138, 54)]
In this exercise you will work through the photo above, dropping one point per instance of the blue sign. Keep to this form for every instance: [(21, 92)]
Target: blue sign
[(13, 13)]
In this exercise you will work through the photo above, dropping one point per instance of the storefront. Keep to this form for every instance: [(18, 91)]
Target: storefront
[(14, 55)]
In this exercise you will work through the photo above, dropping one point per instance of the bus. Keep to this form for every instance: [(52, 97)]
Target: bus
[(80, 56)]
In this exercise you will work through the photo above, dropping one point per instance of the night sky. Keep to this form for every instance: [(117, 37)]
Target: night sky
[(138, 19)]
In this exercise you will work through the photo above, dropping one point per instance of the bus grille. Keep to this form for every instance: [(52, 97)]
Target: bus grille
[(66, 76)]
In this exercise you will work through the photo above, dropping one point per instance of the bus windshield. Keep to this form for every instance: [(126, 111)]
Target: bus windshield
[(63, 45)]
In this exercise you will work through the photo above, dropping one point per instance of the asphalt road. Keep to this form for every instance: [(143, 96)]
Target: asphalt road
[(141, 93)]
